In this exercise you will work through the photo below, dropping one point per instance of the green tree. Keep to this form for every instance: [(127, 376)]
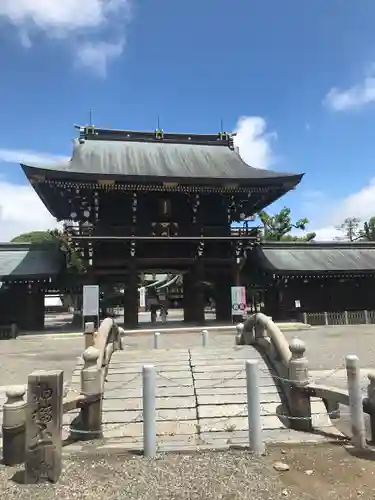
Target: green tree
[(74, 261), (277, 227), (368, 231)]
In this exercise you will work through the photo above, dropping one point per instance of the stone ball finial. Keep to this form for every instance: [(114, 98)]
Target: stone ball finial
[(371, 376), (240, 328), (91, 355), (297, 347), (15, 392)]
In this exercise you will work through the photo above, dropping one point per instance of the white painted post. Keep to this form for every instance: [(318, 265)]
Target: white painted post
[(305, 318), (149, 411), (253, 406), (346, 318), (326, 318), (204, 338), (239, 333), (355, 402), (366, 317), (156, 340)]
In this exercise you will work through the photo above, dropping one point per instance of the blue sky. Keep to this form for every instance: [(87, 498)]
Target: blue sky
[(296, 78)]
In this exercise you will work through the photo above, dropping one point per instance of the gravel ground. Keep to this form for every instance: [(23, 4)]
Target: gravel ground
[(21, 356), (315, 472), (327, 346)]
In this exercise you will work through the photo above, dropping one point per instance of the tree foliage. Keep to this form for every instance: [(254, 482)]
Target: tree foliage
[(277, 227), (354, 231), (368, 232), (74, 261), (351, 229)]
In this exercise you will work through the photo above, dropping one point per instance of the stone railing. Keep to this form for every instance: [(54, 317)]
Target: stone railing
[(32, 429), (339, 318), (289, 362)]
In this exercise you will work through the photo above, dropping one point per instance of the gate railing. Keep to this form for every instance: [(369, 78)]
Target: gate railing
[(339, 318)]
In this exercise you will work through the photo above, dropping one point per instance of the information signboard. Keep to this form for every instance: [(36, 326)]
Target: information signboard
[(91, 300), (238, 300)]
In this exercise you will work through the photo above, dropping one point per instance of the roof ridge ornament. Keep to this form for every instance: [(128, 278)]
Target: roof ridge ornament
[(159, 133)]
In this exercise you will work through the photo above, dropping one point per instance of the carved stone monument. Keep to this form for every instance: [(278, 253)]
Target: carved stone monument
[(43, 461)]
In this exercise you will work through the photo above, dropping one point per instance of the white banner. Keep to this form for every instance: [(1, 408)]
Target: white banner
[(238, 300), (91, 300)]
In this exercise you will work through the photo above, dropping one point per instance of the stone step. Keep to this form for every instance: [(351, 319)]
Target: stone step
[(167, 403)]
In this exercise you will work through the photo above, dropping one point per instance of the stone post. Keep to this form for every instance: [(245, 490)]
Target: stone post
[(89, 334), (43, 460), (346, 317), (240, 327), (355, 402), (13, 330), (300, 406), (91, 386), (304, 315), (371, 402), (366, 317), (326, 318), (14, 423)]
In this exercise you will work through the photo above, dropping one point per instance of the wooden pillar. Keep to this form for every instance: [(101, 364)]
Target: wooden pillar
[(223, 285), (188, 302), (32, 316), (198, 295), (131, 298)]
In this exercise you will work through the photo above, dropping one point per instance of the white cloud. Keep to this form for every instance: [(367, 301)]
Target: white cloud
[(360, 205), (83, 24), (98, 55), (254, 142), (353, 97), (21, 211), (29, 157)]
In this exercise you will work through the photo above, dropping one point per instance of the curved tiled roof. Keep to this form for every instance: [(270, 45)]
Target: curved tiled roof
[(175, 156), (316, 257), (23, 260)]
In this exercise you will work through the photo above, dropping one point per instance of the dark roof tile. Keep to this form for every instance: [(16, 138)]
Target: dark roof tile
[(316, 257), (27, 261)]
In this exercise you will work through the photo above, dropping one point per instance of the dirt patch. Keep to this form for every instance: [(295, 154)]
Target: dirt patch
[(327, 472)]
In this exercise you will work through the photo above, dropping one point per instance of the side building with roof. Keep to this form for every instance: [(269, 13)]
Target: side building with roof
[(315, 277), (26, 271), (135, 202)]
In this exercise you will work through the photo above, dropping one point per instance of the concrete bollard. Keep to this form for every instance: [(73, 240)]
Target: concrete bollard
[(13, 330), (89, 334), (256, 443), (156, 340), (304, 316), (91, 386), (346, 318), (204, 338), (366, 317), (149, 410), (371, 402), (14, 426), (239, 333), (355, 402), (299, 400)]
